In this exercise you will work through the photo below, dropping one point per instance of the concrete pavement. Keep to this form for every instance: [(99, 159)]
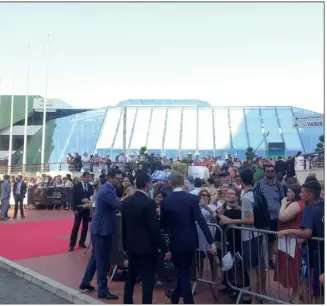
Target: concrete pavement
[(17, 290)]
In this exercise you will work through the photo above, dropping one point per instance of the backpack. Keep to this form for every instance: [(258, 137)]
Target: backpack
[(261, 212)]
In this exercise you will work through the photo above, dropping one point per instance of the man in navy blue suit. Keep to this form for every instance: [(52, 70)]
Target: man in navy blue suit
[(179, 214), (103, 227)]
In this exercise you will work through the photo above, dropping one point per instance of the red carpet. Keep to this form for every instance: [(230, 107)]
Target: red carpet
[(34, 239)]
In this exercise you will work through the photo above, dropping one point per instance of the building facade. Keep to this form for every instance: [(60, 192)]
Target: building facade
[(168, 127)]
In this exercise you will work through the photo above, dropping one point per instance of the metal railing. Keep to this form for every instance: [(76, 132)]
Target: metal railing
[(295, 278), (64, 166)]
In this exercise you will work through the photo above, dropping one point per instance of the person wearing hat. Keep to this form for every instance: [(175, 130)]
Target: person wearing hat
[(312, 225)]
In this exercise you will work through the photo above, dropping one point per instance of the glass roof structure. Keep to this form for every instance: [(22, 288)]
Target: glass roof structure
[(175, 129)]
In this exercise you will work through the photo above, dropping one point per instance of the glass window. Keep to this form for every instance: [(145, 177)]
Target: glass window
[(222, 129), (189, 129), (156, 129), (109, 128), (173, 129), (291, 136), (205, 130), (238, 128), (254, 128), (141, 128), (271, 125)]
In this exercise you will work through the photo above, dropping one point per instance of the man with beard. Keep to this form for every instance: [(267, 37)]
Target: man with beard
[(103, 227)]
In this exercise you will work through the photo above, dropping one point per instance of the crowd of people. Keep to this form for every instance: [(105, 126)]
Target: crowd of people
[(291, 210), (216, 165), (230, 197)]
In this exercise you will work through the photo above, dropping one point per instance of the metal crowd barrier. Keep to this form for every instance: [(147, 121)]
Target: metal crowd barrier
[(296, 277)]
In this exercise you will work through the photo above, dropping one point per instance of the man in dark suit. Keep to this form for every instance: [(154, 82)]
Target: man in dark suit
[(141, 239), (281, 166), (179, 212), (81, 195), (103, 227), (19, 193)]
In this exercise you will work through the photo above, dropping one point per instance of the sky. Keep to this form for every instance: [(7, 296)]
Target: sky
[(240, 54)]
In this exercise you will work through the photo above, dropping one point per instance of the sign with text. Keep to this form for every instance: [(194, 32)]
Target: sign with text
[(276, 149), (300, 123)]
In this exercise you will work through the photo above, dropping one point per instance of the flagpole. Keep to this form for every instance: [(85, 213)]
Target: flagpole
[(11, 116), (45, 101), (0, 85), (26, 109)]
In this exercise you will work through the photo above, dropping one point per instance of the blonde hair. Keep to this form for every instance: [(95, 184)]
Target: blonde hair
[(176, 179)]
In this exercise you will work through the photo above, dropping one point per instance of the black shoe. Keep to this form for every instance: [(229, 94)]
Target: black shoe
[(89, 288), (169, 293), (23, 217), (82, 245), (108, 296), (14, 217), (272, 266), (70, 249)]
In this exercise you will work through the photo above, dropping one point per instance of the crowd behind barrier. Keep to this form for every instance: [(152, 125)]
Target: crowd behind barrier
[(129, 163), (248, 274)]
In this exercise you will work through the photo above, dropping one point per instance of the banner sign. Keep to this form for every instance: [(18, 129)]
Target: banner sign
[(308, 123), (45, 196), (199, 171), (276, 149)]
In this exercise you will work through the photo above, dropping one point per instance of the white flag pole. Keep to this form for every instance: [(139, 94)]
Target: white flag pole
[(26, 109), (0, 85), (11, 117), (45, 101)]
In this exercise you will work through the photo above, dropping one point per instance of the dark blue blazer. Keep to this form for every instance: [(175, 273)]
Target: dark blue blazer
[(104, 220), (179, 212)]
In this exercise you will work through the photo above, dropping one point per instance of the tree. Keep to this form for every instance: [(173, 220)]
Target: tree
[(321, 145), (143, 151), (249, 154)]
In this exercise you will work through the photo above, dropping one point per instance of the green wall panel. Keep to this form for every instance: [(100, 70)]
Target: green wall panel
[(19, 109)]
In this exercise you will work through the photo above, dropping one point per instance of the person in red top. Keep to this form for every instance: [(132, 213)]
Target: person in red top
[(290, 216)]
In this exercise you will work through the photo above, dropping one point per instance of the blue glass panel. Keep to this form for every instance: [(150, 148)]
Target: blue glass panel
[(222, 129), (109, 128), (292, 140), (156, 129), (270, 125), (254, 128), (206, 130), (75, 133), (189, 129), (141, 128), (173, 127), (238, 128)]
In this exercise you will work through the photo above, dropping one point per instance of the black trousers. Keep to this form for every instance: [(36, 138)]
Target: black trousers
[(83, 216), (19, 200), (183, 263), (143, 265)]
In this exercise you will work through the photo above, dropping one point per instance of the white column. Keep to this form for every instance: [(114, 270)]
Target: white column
[(45, 101), (11, 117), (26, 109), (124, 130)]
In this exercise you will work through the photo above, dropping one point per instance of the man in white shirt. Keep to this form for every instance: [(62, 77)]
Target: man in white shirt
[(86, 162)]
